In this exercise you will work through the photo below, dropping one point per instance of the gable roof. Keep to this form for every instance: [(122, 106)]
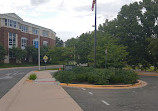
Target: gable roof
[(14, 16)]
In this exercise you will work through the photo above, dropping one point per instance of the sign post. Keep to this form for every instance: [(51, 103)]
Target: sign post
[(106, 52), (45, 58)]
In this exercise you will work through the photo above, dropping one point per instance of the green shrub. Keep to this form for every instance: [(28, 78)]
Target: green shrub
[(100, 76), (81, 77), (97, 76), (124, 76), (32, 77), (79, 70)]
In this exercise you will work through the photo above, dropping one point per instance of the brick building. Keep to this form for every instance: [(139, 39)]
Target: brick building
[(14, 32)]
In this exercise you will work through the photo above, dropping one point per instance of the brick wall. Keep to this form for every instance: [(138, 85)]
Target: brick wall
[(4, 37)]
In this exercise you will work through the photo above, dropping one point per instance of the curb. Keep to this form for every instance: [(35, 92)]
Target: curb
[(10, 96), (139, 84), (148, 74), (29, 80)]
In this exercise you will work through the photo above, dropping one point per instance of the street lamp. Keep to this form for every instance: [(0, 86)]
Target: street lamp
[(106, 52)]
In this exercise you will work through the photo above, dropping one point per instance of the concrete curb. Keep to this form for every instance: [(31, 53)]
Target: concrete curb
[(139, 84), (10, 96), (148, 74)]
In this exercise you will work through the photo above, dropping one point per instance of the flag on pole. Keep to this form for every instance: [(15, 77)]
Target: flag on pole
[(93, 5)]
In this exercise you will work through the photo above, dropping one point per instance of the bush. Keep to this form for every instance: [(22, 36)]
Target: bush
[(32, 77), (97, 76), (124, 76)]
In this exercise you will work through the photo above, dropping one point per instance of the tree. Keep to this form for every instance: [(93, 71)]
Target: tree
[(135, 24), (32, 54), (60, 55), (71, 42), (116, 54), (83, 47), (2, 53), (153, 51), (131, 33), (18, 53), (44, 51), (59, 43)]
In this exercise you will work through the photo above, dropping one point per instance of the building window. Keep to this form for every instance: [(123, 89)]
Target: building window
[(12, 40), (10, 23), (23, 42), (23, 28), (11, 54), (45, 43), (34, 31), (35, 42), (45, 33)]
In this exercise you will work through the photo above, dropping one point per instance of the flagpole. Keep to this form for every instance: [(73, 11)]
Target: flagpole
[(39, 51), (95, 33)]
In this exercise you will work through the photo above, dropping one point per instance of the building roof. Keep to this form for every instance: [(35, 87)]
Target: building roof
[(15, 16)]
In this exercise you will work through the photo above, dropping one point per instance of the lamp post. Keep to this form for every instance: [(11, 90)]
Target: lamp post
[(106, 52)]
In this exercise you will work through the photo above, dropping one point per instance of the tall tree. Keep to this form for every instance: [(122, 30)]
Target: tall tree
[(109, 52), (131, 34), (83, 47), (59, 42), (71, 42), (60, 55)]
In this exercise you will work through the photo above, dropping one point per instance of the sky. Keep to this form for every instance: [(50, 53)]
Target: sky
[(68, 18)]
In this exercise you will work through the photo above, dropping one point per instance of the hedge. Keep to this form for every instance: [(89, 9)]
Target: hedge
[(97, 76)]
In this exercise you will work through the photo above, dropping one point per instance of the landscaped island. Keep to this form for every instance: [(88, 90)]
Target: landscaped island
[(89, 75)]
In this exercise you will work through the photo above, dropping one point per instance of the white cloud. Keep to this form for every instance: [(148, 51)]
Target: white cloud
[(68, 18)]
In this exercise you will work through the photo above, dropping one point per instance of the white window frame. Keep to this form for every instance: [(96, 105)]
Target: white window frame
[(34, 40), (12, 39), (23, 42), (23, 28), (10, 23), (35, 31), (45, 43), (45, 33)]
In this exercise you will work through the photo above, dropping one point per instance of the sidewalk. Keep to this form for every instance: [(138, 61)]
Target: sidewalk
[(42, 95)]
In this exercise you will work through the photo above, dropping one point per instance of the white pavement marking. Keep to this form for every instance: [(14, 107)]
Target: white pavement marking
[(83, 89), (8, 74), (47, 81), (90, 93), (105, 102), (6, 77), (15, 74)]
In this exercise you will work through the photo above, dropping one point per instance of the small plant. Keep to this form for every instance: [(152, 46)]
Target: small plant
[(32, 77)]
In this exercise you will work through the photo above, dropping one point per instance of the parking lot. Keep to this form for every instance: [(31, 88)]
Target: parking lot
[(135, 99)]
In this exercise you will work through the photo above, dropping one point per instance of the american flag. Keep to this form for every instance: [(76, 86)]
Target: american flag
[(93, 5)]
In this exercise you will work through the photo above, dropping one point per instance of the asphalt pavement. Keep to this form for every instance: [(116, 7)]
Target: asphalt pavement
[(10, 76), (136, 99)]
